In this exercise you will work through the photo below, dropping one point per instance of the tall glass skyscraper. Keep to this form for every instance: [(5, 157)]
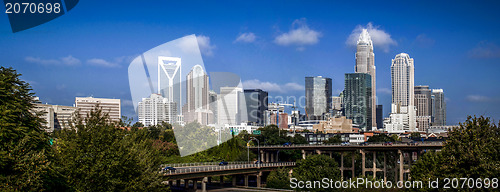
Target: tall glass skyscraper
[(358, 101), (256, 102), (365, 63), (438, 107), (318, 97)]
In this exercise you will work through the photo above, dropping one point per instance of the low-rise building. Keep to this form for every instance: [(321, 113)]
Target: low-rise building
[(334, 125)]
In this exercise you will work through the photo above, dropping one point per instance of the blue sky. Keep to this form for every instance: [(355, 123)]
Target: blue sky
[(270, 44)]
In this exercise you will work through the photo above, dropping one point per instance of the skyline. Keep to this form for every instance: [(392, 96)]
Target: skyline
[(83, 55)]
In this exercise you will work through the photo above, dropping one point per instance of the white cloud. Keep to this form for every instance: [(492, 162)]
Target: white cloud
[(299, 35), (102, 63), (272, 87), (205, 47), (379, 37), (69, 61), (485, 49), (116, 62), (246, 38), (478, 98)]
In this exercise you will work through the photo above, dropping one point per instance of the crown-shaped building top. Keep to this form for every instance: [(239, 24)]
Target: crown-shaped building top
[(364, 38)]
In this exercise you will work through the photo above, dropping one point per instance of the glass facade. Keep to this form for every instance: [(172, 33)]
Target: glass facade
[(358, 99), (318, 97), (256, 102)]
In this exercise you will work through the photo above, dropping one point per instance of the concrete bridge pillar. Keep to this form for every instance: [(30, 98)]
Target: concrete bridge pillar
[(303, 154), (330, 154), (222, 181), (272, 157), (186, 184), (261, 155), (318, 151), (374, 168), (401, 162), (246, 180), (363, 168), (204, 184), (234, 181), (341, 164), (385, 166), (195, 184), (352, 166), (259, 178), (267, 157)]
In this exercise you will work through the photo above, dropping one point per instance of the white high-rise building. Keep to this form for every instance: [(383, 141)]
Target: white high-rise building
[(403, 110), (365, 63), (155, 109), (110, 106), (170, 80), (228, 103)]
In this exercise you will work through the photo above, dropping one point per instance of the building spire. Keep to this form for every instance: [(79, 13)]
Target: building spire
[(364, 37)]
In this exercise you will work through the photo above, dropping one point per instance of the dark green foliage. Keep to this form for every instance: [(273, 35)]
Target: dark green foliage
[(381, 138), (279, 179), (25, 152), (315, 168), (471, 151), (98, 156)]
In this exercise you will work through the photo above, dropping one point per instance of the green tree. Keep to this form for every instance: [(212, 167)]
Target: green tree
[(137, 125), (279, 179), (95, 155), (299, 139), (415, 135), (315, 168), (471, 151), (272, 135), (381, 138), (25, 153)]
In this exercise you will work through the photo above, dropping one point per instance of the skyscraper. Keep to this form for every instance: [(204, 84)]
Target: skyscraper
[(212, 99), (424, 107), (365, 63), (357, 100), (197, 97), (228, 105), (318, 97), (155, 109), (169, 79), (402, 107), (110, 106), (256, 102), (438, 107), (380, 117)]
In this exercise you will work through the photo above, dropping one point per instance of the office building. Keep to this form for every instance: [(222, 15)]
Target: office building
[(380, 117), (438, 107), (110, 106), (56, 117), (365, 63), (318, 97), (334, 125), (403, 111), (156, 109), (424, 107), (357, 100), (256, 104), (197, 97), (228, 105), (170, 80), (212, 106)]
